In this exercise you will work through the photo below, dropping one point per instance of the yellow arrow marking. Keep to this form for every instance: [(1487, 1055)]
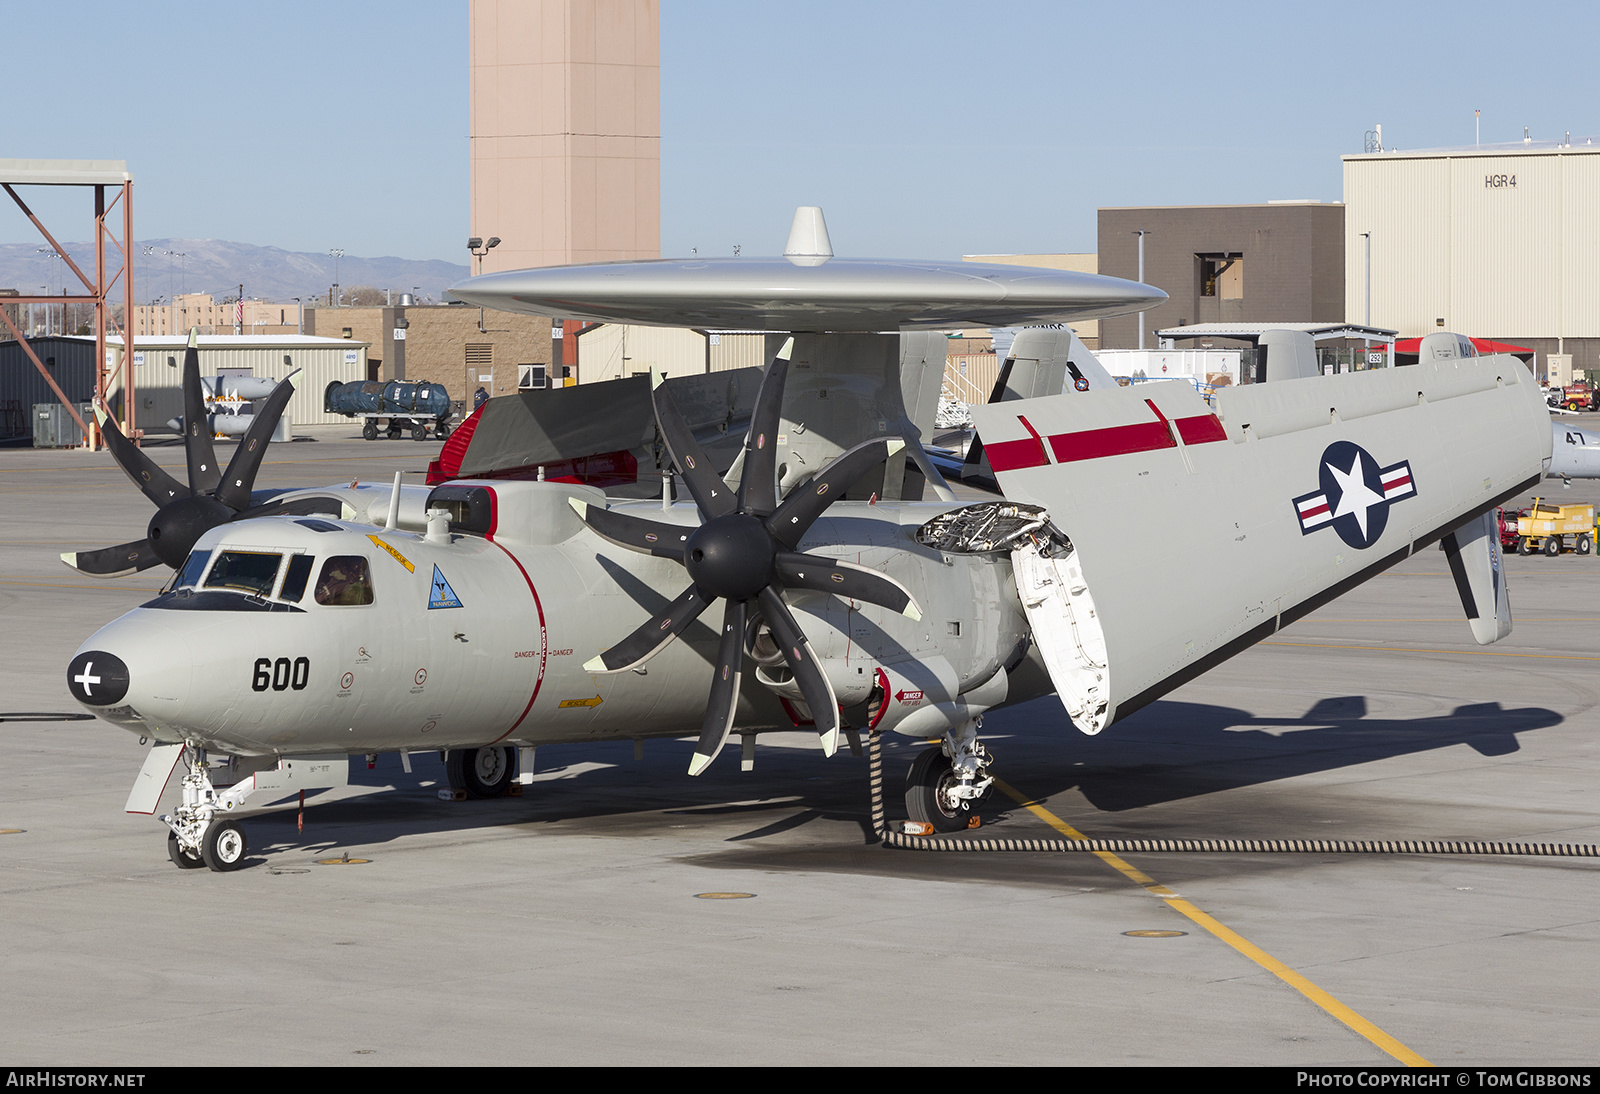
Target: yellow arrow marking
[(398, 557)]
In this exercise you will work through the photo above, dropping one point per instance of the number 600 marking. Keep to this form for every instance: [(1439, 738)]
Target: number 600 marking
[(281, 675)]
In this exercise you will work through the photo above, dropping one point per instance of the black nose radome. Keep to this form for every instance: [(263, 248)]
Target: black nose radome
[(97, 678)]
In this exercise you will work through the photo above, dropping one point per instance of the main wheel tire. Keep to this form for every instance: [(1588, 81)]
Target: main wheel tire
[(1552, 546), (369, 432), (419, 432), (223, 846), (482, 772), (926, 783), (181, 858)]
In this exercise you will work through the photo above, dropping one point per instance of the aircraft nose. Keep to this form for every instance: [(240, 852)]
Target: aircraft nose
[(134, 664), (97, 678)]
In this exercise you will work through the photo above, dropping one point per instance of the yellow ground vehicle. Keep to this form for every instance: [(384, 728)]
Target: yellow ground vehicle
[(1546, 527)]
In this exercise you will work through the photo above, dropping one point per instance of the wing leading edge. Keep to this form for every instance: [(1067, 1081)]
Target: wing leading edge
[(1196, 534)]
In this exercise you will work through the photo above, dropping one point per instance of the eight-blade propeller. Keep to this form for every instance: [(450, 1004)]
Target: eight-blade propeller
[(212, 498), (744, 552)]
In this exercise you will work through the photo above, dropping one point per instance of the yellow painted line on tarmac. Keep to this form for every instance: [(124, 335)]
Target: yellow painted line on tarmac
[(1413, 649), (1243, 945)]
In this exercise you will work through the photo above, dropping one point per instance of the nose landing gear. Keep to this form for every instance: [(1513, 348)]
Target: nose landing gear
[(945, 783), (198, 837)]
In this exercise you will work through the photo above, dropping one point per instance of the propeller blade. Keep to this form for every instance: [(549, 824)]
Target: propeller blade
[(239, 479), (118, 561), (155, 483), (203, 472), (829, 575), (758, 488), (653, 635), (634, 533), (806, 502), (803, 663), (724, 697), (711, 494)]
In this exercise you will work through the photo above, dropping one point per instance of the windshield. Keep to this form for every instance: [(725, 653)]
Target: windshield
[(245, 571), (193, 567)]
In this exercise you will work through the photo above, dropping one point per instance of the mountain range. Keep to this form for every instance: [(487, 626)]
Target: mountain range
[(219, 267)]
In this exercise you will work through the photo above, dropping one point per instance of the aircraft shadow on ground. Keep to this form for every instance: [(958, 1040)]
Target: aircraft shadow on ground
[(1173, 750), (1168, 752)]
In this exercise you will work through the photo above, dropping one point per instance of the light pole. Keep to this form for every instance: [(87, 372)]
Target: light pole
[(1141, 234), (479, 248), (170, 256), (1368, 237), (336, 254), (47, 290)]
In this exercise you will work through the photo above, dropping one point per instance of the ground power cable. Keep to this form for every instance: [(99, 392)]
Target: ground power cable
[(1201, 846)]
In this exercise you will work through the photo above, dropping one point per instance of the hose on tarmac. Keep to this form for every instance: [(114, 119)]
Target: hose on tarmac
[(1183, 846)]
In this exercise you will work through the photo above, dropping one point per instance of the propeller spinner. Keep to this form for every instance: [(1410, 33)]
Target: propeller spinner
[(212, 497), (744, 553)]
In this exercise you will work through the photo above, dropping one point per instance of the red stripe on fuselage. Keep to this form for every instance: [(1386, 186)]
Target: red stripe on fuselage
[(544, 645)]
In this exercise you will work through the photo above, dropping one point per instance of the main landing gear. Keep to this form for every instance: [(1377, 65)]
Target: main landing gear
[(482, 772), (199, 836), (945, 783)]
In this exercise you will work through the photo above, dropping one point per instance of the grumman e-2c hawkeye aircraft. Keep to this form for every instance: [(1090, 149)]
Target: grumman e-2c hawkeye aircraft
[(529, 613)]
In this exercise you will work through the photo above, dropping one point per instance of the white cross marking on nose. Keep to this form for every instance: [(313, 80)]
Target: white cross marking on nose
[(85, 679)]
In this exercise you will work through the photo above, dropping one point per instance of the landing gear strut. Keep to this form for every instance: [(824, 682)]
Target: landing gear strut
[(198, 837), (946, 782)]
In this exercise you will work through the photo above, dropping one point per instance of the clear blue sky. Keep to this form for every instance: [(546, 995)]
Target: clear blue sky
[(923, 129)]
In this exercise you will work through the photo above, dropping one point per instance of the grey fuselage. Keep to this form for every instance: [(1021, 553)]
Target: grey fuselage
[(1574, 452), (536, 598)]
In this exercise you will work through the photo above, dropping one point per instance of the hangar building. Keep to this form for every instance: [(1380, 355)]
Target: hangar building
[(1497, 241)]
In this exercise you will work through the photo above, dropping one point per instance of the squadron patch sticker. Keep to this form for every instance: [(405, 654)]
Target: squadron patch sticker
[(440, 595), (1355, 496)]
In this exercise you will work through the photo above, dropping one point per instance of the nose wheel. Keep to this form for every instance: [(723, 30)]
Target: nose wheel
[(182, 858), (198, 832), (945, 784), (223, 846)]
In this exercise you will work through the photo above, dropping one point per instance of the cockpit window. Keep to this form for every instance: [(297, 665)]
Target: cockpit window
[(294, 582), (345, 580), (244, 571), (193, 567)]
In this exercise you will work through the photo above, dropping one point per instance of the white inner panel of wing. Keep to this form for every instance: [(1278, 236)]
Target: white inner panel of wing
[(1067, 629)]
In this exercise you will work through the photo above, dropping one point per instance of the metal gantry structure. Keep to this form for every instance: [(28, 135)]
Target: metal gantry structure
[(101, 176)]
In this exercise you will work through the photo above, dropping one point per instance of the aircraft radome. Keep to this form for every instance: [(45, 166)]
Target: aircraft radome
[(524, 613)]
